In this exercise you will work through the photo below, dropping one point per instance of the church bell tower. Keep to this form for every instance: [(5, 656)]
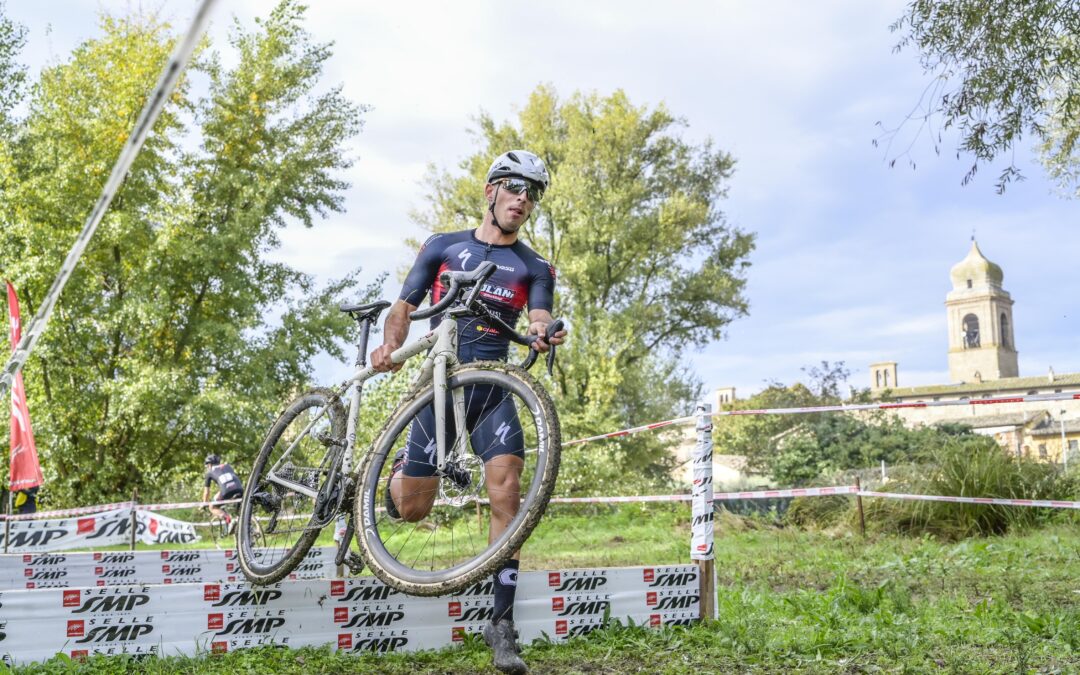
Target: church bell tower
[(981, 345)]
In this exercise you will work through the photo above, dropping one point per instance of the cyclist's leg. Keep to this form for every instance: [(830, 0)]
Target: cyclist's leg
[(415, 487), (216, 511), (498, 439)]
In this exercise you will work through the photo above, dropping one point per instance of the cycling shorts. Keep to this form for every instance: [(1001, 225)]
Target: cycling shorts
[(490, 418), (232, 494)]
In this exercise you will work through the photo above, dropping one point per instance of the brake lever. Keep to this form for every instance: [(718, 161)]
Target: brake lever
[(553, 327)]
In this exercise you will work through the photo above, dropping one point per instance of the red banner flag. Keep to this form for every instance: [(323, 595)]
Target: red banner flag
[(25, 468)]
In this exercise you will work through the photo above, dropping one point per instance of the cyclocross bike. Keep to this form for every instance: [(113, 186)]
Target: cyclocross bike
[(221, 532), (304, 476)]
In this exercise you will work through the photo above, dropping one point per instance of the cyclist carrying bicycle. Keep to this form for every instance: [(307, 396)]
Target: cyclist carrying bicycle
[(515, 183), (230, 486)]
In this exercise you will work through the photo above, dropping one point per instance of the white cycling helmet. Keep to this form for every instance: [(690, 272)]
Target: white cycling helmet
[(520, 163)]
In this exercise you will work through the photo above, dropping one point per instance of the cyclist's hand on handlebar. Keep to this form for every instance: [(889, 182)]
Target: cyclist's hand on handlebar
[(539, 328), (380, 359)]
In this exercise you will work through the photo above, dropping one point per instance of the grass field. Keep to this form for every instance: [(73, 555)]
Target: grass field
[(789, 601)]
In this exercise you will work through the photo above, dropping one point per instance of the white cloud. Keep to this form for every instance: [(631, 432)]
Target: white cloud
[(853, 258)]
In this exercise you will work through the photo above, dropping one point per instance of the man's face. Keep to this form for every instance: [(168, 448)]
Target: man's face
[(511, 210)]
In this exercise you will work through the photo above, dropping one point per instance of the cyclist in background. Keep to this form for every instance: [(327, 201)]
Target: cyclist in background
[(516, 181), (229, 486)]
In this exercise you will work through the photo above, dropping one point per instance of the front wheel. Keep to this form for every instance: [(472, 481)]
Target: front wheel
[(277, 513), (509, 426)]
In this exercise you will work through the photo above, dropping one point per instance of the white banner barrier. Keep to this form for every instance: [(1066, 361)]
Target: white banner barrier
[(108, 528), (69, 570), (357, 615)]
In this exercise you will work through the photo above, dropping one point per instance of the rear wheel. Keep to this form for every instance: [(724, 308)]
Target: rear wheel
[(448, 548), (277, 513)]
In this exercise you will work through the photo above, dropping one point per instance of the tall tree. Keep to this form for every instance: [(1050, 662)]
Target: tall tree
[(648, 266), (176, 335), (1002, 70)]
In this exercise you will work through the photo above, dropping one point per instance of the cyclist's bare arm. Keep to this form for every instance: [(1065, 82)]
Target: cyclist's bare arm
[(538, 323), (395, 330)]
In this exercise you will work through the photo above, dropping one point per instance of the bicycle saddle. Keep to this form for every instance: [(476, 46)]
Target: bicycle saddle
[(370, 310)]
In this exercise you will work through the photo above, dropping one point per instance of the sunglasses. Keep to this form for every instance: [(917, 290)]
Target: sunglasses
[(520, 185)]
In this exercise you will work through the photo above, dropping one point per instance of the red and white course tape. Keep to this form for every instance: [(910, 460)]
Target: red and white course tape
[(1045, 503), (1036, 398), (65, 513), (183, 505), (752, 494)]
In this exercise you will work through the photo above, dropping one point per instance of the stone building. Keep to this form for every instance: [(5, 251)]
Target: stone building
[(983, 364)]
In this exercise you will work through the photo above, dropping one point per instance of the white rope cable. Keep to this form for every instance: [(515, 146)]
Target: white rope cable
[(166, 83)]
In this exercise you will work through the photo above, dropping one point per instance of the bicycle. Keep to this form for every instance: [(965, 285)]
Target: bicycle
[(304, 475), (221, 530)]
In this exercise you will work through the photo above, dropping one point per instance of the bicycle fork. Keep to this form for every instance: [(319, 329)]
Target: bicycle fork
[(441, 382)]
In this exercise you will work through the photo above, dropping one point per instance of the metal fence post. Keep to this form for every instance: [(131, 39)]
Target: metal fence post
[(701, 528), (134, 515), (858, 505), (7, 521)]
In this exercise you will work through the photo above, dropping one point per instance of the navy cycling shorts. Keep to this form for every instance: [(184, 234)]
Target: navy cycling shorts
[(490, 418)]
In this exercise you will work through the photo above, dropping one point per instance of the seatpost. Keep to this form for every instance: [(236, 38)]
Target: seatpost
[(361, 355)]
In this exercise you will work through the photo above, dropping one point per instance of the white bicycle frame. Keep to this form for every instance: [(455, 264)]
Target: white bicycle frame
[(443, 343)]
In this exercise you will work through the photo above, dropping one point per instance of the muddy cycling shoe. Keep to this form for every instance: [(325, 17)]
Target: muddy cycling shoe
[(388, 499), (458, 476), (354, 562), (501, 636)]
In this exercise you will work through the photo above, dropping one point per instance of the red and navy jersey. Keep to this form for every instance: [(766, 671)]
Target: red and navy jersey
[(521, 279)]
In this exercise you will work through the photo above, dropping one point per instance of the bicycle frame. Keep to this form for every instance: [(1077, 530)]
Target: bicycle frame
[(443, 345)]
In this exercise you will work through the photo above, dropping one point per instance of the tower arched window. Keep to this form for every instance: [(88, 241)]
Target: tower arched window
[(878, 374), (1005, 342), (971, 331), (886, 379)]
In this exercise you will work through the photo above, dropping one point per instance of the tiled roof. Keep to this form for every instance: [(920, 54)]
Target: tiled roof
[(1053, 428), (1008, 384)]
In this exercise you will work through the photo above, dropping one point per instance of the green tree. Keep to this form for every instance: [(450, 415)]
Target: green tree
[(177, 335), (800, 449), (648, 266), (1001, 69)]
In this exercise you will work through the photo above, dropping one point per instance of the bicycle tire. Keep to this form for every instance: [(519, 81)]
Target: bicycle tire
[(264, 564), (408, 579)]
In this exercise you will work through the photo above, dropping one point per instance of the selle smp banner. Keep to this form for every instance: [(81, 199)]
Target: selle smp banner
[(108, 528), (118, 568), (359, 615)]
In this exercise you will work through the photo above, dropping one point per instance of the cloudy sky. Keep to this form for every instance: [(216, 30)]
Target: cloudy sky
[(853, 257)]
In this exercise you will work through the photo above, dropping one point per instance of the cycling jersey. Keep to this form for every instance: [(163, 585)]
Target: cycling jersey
[(521, 278), (229, 484)]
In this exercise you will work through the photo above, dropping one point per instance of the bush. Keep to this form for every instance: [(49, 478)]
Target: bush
[(818, 512), (967, 467)]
